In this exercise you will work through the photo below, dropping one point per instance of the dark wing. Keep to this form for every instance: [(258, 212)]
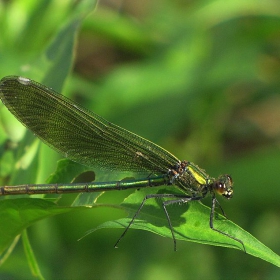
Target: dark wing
[(79, 134)]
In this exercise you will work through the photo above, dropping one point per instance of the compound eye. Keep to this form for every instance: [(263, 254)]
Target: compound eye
[(220, 188)]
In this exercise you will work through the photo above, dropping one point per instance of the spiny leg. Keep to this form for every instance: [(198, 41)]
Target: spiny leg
[(217, 230), (180, 199), (222, 210), (138, 211), (183, 199)]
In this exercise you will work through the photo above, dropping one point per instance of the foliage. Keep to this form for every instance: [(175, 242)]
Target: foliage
[(199, 78)]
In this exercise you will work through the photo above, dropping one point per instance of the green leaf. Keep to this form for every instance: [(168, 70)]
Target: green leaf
[(191, 223), (18, 214)]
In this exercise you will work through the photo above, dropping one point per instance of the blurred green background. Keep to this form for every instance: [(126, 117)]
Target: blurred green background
[(201, 79)]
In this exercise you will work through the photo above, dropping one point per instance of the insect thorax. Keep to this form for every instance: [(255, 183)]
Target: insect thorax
[(190, 178)]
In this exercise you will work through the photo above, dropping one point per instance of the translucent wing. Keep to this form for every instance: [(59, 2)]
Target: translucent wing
[(79, 134)]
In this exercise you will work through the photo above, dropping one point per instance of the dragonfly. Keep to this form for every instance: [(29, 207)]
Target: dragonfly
[(87, 138)]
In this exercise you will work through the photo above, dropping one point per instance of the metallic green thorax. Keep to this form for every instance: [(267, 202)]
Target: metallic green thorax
[(193, 180)]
